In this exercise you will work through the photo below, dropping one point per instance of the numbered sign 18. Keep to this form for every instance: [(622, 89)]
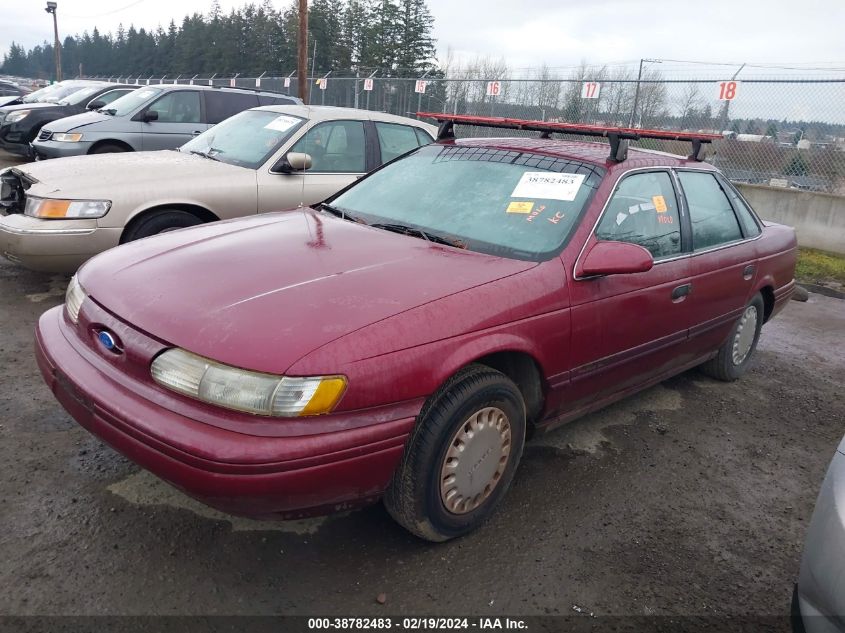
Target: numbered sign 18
[(287, 82), (590, 90), (420, 86), (727, 90), (494, 88)]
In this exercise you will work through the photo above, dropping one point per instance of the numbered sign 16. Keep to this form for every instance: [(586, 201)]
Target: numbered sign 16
[(420, 86), (727, 90), (368, 84), (494, 88), (590, 90), (323, 82)]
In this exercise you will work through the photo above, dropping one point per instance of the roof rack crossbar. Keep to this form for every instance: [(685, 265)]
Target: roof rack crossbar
[(618, 137)]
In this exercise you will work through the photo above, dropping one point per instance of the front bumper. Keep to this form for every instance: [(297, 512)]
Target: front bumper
[(821, 583), (56, 149), (55, 246), (294, 476), (15, 140)]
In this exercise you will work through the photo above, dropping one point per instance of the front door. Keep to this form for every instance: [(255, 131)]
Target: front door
[(179, 120), (630, 328), (338, 158)]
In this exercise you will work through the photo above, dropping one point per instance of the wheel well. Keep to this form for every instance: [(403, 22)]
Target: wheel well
[(524, 371), (122, 144), (768, 295), (199, 212)]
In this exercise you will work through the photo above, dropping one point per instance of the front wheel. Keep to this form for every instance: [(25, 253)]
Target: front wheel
[(160, 221), (735, 354), (461, 456)]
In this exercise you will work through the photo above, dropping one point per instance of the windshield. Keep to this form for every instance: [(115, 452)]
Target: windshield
[(128, 103), (38, 95), (247, 139), (80, 95), (501, 202), (60, 93)]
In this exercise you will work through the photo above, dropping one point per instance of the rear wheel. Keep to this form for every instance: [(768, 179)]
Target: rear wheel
[(108, 148), (735, 354), (461, 456), (160, 222)]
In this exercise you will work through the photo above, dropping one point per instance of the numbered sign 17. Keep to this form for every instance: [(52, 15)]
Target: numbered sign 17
[(727, 90), (368, 84), (590, 90), (420, 86), (494, 88)]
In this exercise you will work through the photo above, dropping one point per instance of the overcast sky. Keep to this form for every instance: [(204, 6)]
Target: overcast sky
[(528, 33)]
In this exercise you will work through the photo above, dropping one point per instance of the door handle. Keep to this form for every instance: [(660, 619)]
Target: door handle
[(196, 132), (748, 272), (679, 293)]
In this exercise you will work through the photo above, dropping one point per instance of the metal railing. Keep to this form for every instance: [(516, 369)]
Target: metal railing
[(782, 132)]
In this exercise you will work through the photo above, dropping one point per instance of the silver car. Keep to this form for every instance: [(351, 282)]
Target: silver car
[(821, 584), (150, 118)]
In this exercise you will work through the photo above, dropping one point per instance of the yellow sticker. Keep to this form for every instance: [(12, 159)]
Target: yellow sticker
[(659, 204), (520, 207)]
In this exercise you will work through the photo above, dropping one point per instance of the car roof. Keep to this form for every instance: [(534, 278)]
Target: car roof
[(255, 91), (594, 153), (332, 113)]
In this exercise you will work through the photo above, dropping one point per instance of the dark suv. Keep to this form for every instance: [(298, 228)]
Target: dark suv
[(150, 118)]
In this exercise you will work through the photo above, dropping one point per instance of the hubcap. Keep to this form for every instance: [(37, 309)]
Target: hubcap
[(744, 337), (475, 460)]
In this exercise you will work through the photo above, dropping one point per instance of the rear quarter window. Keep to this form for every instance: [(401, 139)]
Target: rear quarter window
[(750, 226), (221, 105), (267, 100)]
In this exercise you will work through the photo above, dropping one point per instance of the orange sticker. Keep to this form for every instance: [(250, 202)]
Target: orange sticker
[(659, 204), (520, 207)]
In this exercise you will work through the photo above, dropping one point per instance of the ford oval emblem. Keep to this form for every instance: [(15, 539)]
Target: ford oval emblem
[(108, 341)]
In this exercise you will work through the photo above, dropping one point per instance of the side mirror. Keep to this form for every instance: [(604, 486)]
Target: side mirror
[(616, 258), (96, 104), (150, 115), (293, 161)]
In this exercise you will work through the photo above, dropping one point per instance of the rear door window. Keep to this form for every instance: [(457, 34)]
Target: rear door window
[(334, 147), (394, 140), (644, 210), (221, 105), (711, 214)]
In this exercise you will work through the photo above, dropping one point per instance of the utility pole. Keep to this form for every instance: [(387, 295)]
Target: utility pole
[(57, 50), (302, 52), (637, 91)]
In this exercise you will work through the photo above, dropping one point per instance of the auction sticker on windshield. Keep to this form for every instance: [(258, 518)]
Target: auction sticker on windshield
[(548, 185), (282, 123)]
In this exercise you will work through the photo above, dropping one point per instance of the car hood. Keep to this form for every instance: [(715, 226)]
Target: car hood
[(81, 120), (9, 100), (263, 292), (34, 106), (101, 175)]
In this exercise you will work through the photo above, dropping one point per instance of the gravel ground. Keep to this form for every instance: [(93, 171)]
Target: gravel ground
[(689, 498)]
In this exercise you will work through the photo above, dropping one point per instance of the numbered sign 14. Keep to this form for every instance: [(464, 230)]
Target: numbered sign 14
[(494, 88), (590, 90), (368, 84), (727, 90)]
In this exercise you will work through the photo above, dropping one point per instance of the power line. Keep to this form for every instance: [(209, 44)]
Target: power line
[(100, 15)]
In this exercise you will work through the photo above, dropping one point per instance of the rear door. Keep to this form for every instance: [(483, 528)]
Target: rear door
[(723, 262), (179, 120), (628, 329)]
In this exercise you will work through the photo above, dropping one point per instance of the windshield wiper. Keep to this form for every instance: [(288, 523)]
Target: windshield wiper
[(404, 229), (341, 213), (204, 154)]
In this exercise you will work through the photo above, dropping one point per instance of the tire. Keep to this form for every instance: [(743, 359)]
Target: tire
[(727, 366), (159, 222), (108, 148), (489, 405)]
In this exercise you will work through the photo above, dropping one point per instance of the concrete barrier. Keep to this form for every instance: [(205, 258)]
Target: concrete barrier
[(818, 218)]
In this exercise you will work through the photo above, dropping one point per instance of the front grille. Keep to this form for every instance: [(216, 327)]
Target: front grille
[(44, 135)]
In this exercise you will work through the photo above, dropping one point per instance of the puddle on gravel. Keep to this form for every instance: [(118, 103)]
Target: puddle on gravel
[(57, 287), (587, 434), (144, 489)]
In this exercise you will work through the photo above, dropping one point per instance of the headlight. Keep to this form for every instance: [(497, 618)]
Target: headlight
[(243, 390), (74, 297), (64, 137), (51, 208), (14, 117)]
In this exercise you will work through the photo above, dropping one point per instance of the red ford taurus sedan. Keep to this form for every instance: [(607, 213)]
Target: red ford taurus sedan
[(401, 340)]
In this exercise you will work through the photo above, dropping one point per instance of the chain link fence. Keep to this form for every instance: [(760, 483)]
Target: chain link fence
[(779, 132)]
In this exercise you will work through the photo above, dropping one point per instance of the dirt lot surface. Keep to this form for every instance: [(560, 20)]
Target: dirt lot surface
[(690, 498)]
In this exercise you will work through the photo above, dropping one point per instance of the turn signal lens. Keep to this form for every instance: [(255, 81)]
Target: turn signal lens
[(50, 208), (74, 296), (243, 390)]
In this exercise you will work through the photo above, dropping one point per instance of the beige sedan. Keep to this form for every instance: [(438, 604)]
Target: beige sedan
[(58, 213)]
